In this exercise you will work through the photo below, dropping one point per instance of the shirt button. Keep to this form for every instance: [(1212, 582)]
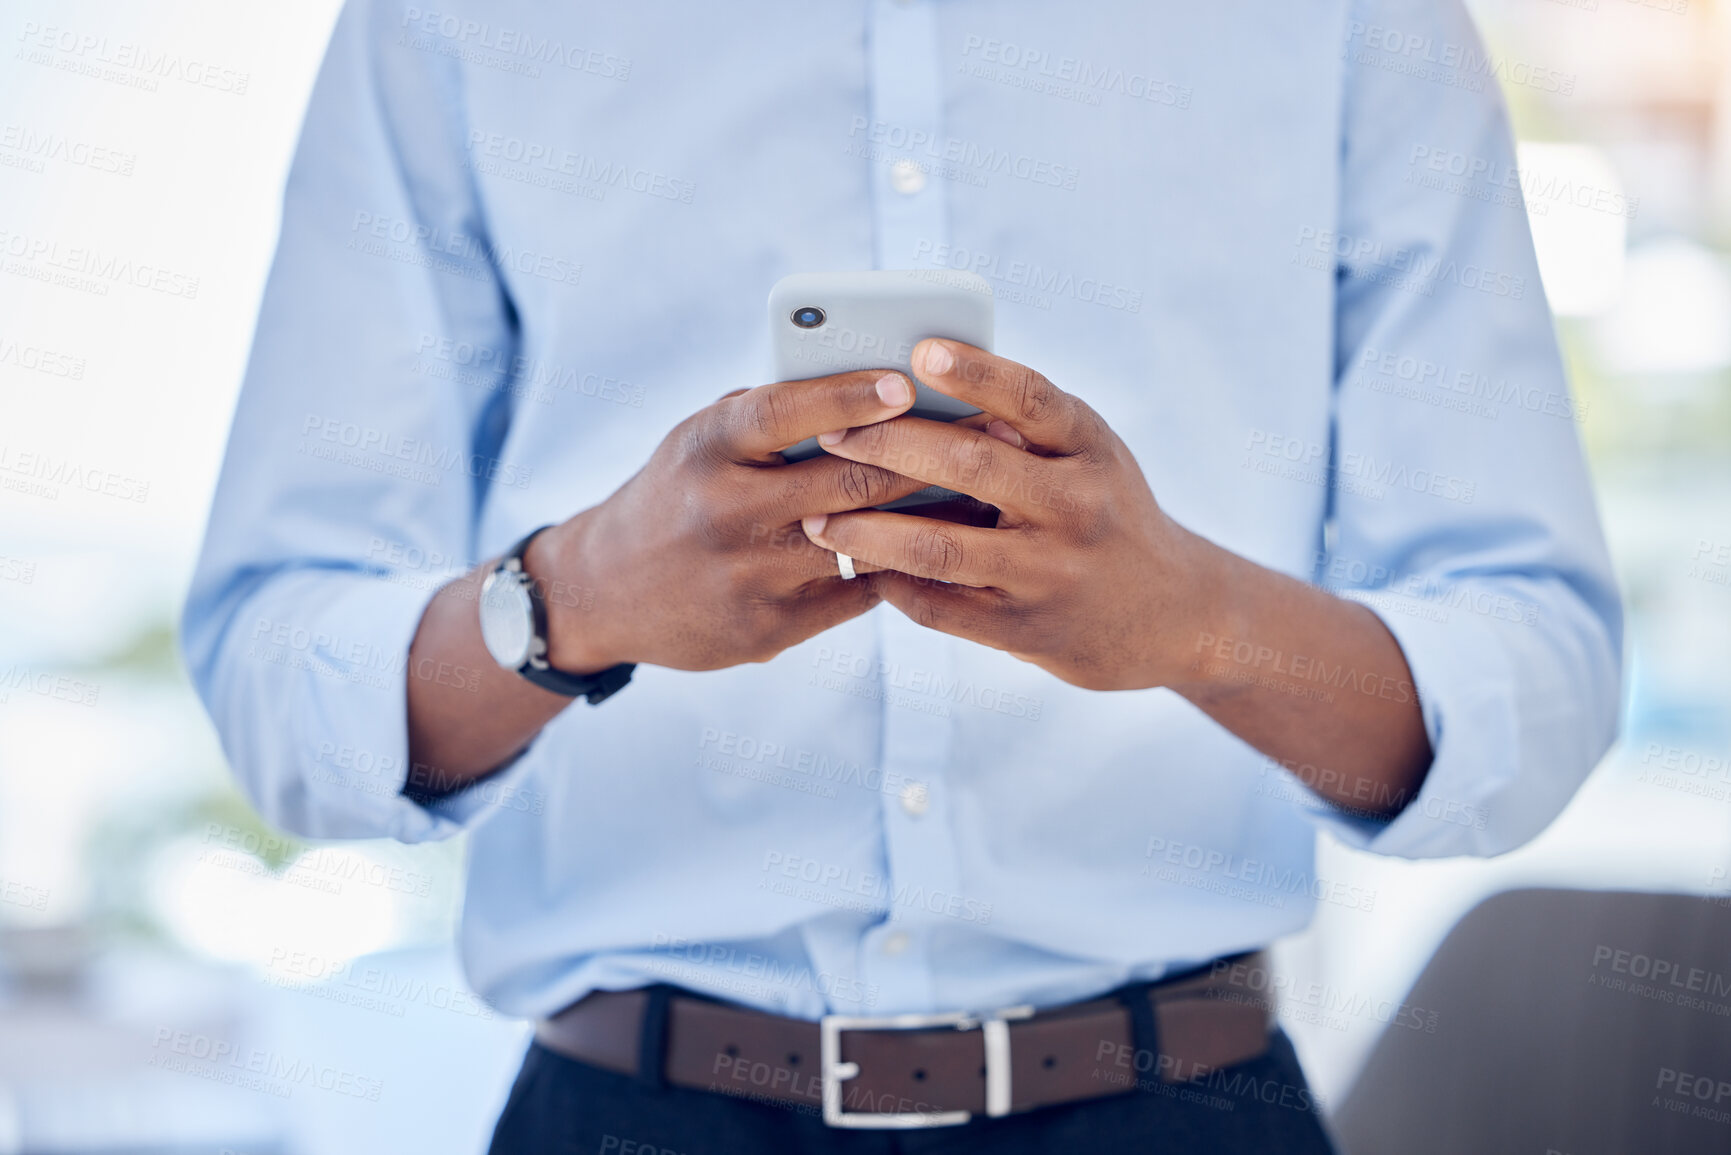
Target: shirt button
[(896, 943), (906, 177), (916, 799)]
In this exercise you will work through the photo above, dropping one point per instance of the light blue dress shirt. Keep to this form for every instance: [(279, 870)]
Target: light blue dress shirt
[(521, 241)]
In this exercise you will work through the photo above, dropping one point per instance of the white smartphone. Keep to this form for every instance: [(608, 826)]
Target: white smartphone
[(826, 323)]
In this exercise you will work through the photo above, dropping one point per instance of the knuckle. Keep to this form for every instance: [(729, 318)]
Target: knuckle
[(1035, 397), (1067, 572), (875, 440), (859, 484), (1091, 524), (709, 532), (771, 411), (1095, 440), (756, 625), (694, 439), (791, 540), (936, 550), (1000, 567), (740, 574), (922, 609), (1097, 431), (706, 519), (970, 460)]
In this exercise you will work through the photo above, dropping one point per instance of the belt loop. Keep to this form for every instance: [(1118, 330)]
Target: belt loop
[(652, 1038), (1138, 999)]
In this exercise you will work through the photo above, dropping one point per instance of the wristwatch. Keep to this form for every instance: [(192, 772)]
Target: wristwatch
[(514, 626)]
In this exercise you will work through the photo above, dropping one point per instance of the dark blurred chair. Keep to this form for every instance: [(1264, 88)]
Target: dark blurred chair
[(1572, 1022)]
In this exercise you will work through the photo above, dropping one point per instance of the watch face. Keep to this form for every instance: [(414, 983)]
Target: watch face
[(507, 619)]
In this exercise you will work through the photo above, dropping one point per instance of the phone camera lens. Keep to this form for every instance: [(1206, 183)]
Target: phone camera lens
[(808, 317)]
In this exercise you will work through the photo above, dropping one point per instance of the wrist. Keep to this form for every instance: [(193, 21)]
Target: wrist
[(1205, 617), (562, 568)]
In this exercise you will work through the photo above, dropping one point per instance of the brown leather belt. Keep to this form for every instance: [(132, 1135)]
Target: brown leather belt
[(926, 1070)]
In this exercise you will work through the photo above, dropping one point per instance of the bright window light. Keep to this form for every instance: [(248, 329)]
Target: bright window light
[(1580, 217)]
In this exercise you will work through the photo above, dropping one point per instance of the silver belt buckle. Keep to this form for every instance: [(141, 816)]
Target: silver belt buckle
[(995, 1033)]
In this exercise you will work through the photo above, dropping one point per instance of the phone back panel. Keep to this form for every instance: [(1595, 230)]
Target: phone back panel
[(873, 320)]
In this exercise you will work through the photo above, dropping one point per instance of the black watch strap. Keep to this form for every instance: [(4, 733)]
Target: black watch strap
[(595, 688)]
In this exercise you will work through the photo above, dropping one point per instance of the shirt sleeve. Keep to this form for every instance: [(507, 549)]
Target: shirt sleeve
[(1462, 512), (360, 448)]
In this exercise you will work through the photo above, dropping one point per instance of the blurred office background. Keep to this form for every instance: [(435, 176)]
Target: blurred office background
[(138, 893)]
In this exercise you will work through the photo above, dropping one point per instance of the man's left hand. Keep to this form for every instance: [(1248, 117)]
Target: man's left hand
[(1084, 575)]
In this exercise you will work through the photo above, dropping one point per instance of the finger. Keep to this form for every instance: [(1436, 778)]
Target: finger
[(995, 426), (755, 424), (795, 559), (827, 484), (936, 550), (977, 615), (970, 461), (1049, 418), (822, 606)]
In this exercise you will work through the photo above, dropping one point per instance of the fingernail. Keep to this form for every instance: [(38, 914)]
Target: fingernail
[(936, 360), (814, 525), (893, 389), (832, 437), (1003, 431)]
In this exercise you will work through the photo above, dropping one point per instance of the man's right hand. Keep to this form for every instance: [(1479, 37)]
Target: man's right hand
[(698, 562)]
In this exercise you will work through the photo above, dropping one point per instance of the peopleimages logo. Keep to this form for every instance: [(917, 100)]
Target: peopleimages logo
[(254, 1068), (1400, 267), (135, 65), (1453, 63), (89, 269), (1328, 1005), (699, 959), (1377, 368), (22, 894), (60, 687), (865, 892), (487, 149), (371, 987), (1360, 474), (970, 158), (1075, 78), (1700, 1096), (37, 359), (1663, 972), (1266, 883), (460, 33), (1449, 170), (1028, 281), (43, 475), (469, 247), (385, 451), (863, 676), (37, 146)]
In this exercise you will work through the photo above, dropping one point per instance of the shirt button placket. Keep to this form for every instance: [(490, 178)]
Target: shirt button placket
[(916, 684), (909, 203), (906, 137)]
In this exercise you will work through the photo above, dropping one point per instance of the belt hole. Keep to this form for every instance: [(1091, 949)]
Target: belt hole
[(792, 1059), (919, 1074), (1049, 1062), (730, 1051), (982, 1070)]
